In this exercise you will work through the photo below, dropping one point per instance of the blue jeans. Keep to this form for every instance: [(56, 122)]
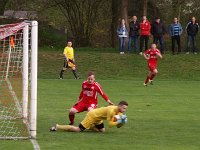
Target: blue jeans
[(135, 40), (161, 42), (122, 44), (193, 39)]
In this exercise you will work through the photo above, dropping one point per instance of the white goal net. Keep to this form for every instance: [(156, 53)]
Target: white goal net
[(18, 80)]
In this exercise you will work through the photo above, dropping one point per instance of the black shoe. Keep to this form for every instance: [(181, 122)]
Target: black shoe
[(53, 128)]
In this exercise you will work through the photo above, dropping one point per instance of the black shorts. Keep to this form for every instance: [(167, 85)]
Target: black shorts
[(99, 126), (81, 127)]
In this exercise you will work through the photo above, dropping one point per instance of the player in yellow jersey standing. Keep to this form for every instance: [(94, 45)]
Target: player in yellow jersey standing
[(69, 61), (94, 119)]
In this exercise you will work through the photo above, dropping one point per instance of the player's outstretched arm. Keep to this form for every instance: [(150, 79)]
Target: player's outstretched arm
[(110, 103), (159, 55), (145, 56), (112, 123)]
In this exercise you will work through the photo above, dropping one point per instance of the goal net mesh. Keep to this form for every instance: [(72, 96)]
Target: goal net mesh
[(12, 123)]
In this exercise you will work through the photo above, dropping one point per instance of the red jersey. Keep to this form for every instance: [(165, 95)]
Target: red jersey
[(152, 55), (89, 92), (145, 28)]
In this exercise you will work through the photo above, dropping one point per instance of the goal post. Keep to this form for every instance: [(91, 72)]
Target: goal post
[(34, 64), (18, 80)]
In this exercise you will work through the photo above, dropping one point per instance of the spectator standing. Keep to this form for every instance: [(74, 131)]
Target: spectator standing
[(133, 34), (158, 30), (175, 31), (122, 33), (192, 29), (145, 28)]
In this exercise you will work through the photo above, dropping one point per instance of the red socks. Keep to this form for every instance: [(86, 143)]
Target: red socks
[(71, 119), (152, 76), (147, 80)]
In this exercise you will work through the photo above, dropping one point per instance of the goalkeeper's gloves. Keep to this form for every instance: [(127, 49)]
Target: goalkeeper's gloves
[(119, 121), (124, 119)]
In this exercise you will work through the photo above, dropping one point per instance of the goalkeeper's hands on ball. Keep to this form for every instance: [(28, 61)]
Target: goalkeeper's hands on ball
[(121, 120)]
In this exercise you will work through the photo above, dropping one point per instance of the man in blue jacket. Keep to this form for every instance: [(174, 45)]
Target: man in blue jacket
[(175, 31), (192, 29)]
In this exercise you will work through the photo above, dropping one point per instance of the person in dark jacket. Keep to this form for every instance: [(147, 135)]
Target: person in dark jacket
[(134, 26), (175, 31), (192, 29), (158, 30)]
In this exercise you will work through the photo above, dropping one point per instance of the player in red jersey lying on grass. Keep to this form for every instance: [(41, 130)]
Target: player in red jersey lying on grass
[(88, 99), (152, 55)]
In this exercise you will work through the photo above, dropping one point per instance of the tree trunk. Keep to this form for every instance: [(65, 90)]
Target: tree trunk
[(2, 6), (124, 10), (114, 23), (145, 8)]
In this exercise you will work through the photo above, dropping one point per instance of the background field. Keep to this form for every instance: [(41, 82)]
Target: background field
[(164, 116)]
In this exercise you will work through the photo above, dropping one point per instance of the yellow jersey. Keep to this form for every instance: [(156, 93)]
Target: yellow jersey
[(104, 113), (69, 52)]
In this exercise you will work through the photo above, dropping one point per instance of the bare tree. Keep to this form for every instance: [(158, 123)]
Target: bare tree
[(81, 16), (2, 6), (114, 22), (145, 8), (124, 10), (177, 4)]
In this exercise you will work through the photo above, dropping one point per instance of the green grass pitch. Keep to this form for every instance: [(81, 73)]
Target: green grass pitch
[(163, 116)]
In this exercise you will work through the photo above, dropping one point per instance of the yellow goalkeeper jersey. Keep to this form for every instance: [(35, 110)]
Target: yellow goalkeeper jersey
[(104, 113), (69, 52)]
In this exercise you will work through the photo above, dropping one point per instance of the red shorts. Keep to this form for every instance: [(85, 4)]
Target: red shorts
[(152, 66), (83, 106)]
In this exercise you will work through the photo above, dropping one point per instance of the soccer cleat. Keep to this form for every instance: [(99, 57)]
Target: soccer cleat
[(141, 53), (151, 82), (121, 52), (145, 84), (195, 53), (53, 128), (60, 78)]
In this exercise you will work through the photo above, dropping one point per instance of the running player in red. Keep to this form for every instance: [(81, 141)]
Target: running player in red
[(88, 97), (152, 55)]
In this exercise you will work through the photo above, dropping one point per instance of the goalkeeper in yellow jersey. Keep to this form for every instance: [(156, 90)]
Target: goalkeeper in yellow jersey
[(69, 61), (94, 119)]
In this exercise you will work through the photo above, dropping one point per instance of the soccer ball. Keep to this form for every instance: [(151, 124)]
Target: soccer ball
[(121, 119), (117, 118)]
